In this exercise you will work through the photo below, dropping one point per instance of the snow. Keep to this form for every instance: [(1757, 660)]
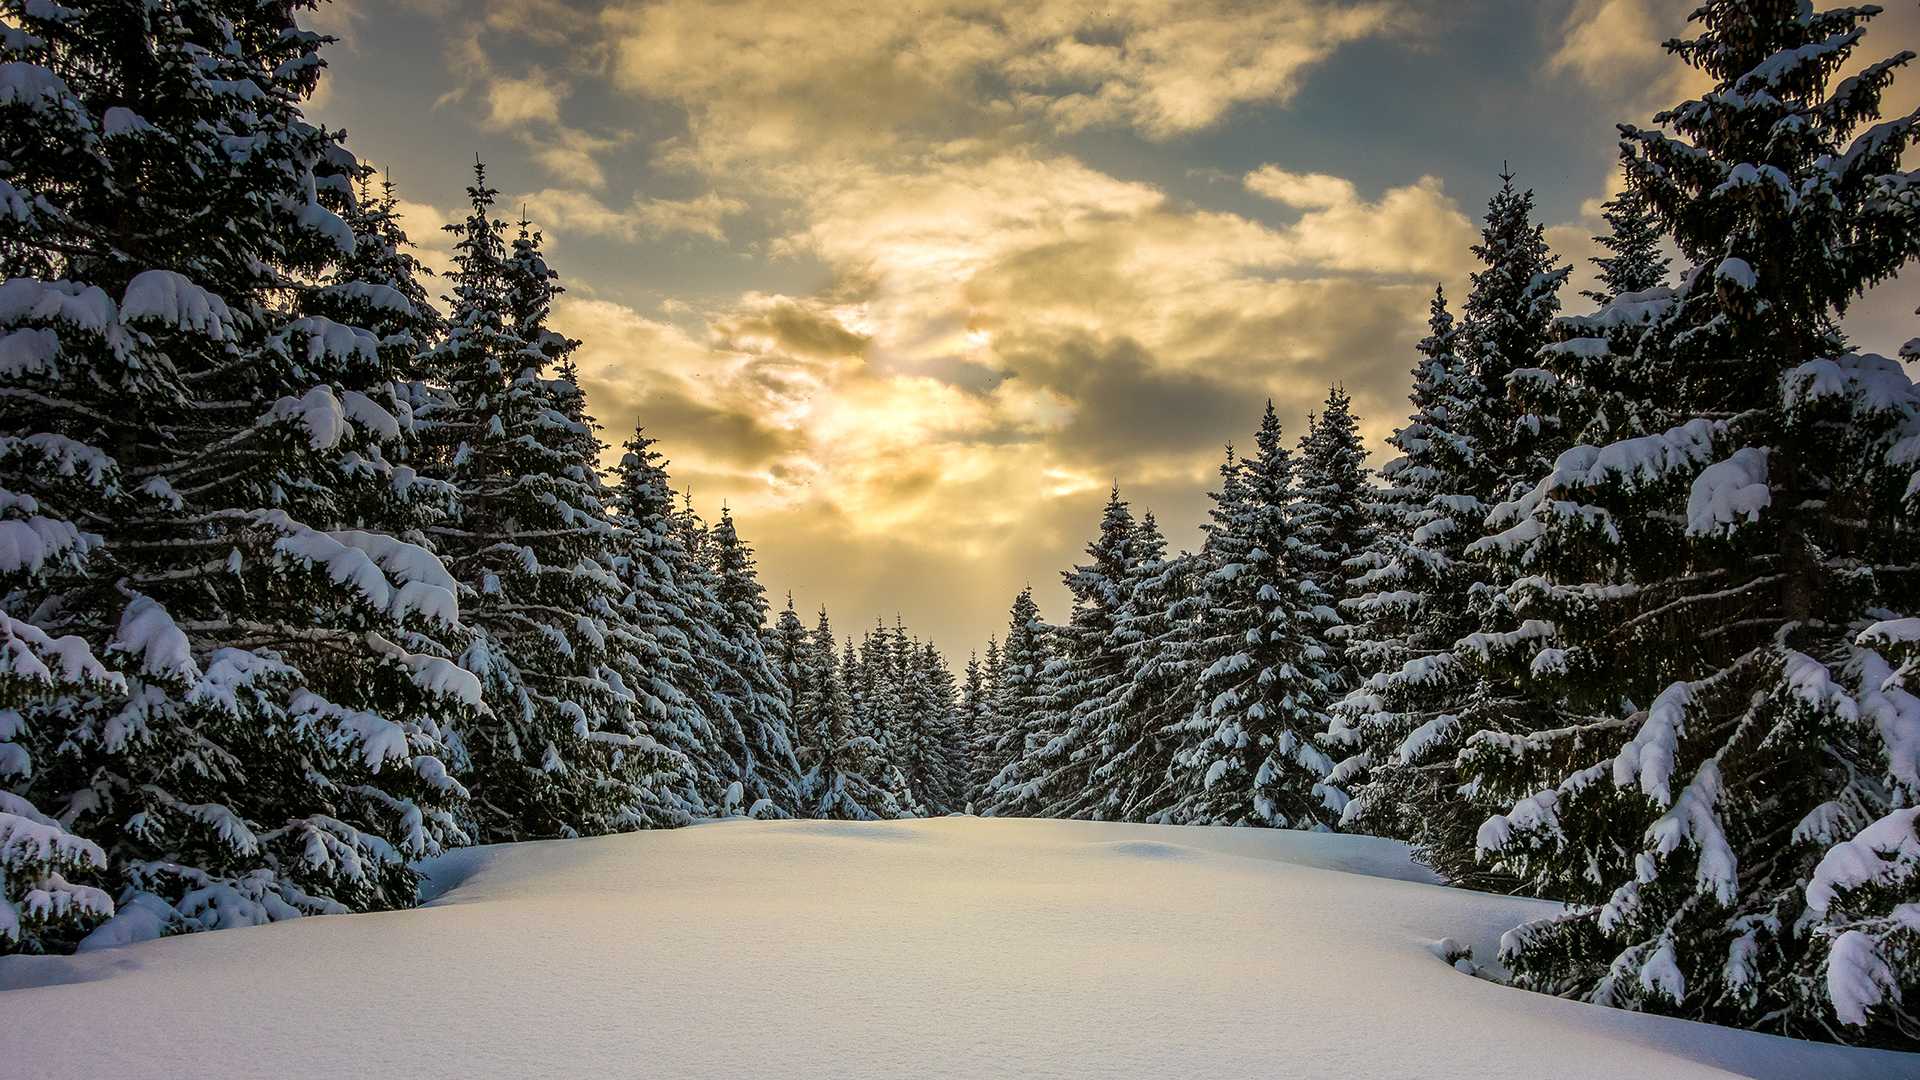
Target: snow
[(172, 300), (950, 947), (328, 224), (148, 632), (1857, 978), (378, 297), (362, 559), (27, 84), (1859, 861), (87, 307), (1728, 491), (27, 545), (28, 352), (1648, 756)]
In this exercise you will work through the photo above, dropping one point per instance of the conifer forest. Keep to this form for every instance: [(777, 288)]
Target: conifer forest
[(316, 564)]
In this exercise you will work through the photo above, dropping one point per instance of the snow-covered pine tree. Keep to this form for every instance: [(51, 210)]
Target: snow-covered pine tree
[(559, 750), (1126, 749), (197, 452), (1637, 263), (988, 727), (1021, 702), (1736, 828), (974, 716), (1054, 775), (1508, 317), (1249, 754), (785, 646), (931, 740), (1400, 728), (1470, 687), (765, 765), (665, 603), (1332, 518), (838, 782)]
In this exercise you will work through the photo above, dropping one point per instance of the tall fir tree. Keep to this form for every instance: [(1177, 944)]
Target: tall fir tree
[(1021, 701), (1400, 728), (1054, 775), (558, 749), (1332, 518), (1734, 824), (202, 493), (1637, 263), (1249, 754)]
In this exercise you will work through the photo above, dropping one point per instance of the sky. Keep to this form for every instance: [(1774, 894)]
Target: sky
[(908, 287)]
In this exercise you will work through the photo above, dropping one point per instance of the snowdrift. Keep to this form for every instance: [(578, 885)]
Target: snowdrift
[(954, 947)]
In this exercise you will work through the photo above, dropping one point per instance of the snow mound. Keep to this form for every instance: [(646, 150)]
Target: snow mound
[(950, 947)]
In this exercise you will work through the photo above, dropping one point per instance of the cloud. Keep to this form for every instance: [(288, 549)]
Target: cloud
[(766, 79), (563, 210), (1615, 46)]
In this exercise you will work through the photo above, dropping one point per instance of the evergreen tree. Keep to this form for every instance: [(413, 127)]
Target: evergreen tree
[(1021, 702), (1509, 315), (765, 765), (842, 763), (1332, 520), (555, 752), (202, 492), (1126, 749), (932, 742), (1403, 726), (1637, 263), (1723, 597), (651, 567), (1053, 777), (988, 727), (1248, 754)]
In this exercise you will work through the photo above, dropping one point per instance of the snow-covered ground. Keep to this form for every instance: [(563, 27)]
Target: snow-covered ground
[(956, 947)]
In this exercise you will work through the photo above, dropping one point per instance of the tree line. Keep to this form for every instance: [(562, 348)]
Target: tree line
[(1629, 621), (307, 578)]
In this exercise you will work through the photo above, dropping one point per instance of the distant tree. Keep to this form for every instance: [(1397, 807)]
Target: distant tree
[(1249, 754)]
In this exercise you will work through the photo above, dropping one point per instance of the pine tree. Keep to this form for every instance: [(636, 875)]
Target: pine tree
[(932, 743), (555, 752), (1401, 727), (1021, 702), (1508, 316), (204, 465), (765, 765), (1332, 522), (1733, 823), (1637, 263), (1054, 772), (1127, 752), (988, 728), (1248, 754)]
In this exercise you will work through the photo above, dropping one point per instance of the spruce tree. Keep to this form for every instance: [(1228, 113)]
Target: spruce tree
[(1401, 727), (1126, 747), (764, 762), (1053, 777), (1508, 315), (206, 465), (1332, 518), (1249, 754), (988, 727), (1637, 263), (556, 751), (1021, 702), (1729, 598)]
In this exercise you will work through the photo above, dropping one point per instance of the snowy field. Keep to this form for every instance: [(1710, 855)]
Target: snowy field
[(956, 947)]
